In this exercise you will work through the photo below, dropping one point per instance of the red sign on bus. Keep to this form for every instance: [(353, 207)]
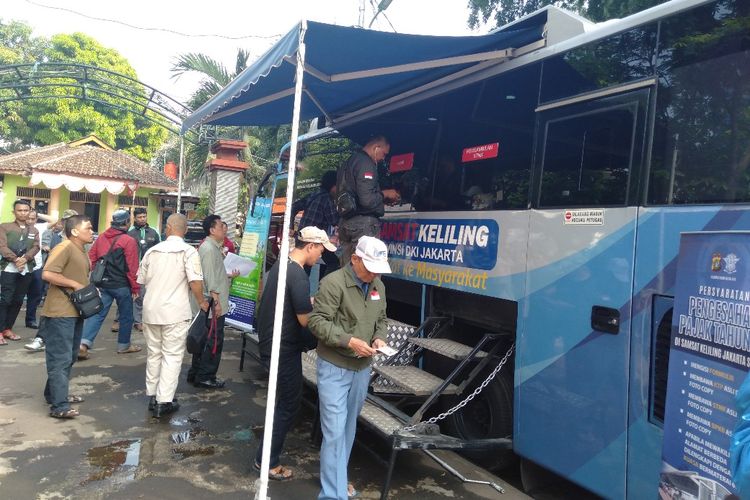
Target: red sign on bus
[(482, 152), (400, 163)]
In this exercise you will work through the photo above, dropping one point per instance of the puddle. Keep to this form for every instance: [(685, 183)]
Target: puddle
[(193, 418), (120, 457), (200, 451), (187, 436)]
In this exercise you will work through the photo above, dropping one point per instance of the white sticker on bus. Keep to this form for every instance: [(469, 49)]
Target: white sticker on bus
[(584, 217)]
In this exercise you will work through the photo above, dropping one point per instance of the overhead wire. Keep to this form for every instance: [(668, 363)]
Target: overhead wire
[(149, 28)]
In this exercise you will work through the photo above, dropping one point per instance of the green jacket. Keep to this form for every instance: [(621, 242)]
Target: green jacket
[(341, 311)]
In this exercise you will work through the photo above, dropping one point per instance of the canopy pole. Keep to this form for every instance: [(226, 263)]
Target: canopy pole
[(283, 258), (179, 173)]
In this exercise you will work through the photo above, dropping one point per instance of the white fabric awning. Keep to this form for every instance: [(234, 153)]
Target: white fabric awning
[(73, 183)]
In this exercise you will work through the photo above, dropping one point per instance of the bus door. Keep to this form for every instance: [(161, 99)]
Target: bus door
[(573, 348)]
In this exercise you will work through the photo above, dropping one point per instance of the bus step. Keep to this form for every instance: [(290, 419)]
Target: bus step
[(447, 348), (414, 380), (380, 419)]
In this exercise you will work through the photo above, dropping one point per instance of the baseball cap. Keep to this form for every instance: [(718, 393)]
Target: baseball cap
[(312, 234), (374, 255), (68, 213), (120, 217)]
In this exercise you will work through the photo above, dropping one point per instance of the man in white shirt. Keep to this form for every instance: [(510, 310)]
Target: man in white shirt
[(170, 270)]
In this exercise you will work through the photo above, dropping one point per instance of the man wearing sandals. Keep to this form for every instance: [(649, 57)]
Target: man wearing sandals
[(308, 248), (67, 267), (19, 243), (349, 320), (119, 283)]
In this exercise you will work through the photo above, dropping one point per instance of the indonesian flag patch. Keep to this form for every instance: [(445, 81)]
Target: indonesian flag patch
[(374, 295), (368, 175)]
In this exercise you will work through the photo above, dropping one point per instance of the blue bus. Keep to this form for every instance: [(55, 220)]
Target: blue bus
[(543, 198)]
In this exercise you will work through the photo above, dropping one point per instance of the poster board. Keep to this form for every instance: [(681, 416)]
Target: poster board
[(243, 295), (708, 361)]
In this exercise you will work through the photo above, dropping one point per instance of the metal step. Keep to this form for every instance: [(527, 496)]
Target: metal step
[(380, 419), (445, 347), (414, 380)]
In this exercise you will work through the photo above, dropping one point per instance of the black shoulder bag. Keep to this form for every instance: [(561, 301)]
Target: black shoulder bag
[(87, 300), (97, 275), (346, 199)]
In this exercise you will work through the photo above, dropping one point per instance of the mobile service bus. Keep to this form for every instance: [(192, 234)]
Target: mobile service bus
[(543, 199)]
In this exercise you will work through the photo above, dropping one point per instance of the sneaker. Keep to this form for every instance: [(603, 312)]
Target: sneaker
[(35, 345)]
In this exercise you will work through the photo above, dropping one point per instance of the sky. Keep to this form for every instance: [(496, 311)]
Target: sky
[(259, 22)]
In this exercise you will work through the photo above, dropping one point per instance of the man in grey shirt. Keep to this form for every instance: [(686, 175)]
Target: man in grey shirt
[(216, 283)]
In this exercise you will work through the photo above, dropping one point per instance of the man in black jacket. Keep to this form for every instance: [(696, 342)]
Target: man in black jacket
[(359, 176), (146, 237)]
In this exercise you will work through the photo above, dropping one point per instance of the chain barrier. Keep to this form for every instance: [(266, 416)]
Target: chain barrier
[(469, 398)]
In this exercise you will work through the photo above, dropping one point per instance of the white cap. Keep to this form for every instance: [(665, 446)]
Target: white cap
[(374, 255), (312, 234)]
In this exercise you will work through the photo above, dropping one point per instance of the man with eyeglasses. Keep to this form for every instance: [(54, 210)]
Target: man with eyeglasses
[(358, 177)]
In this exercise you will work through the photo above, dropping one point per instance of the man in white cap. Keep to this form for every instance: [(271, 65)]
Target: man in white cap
[(295, 338), (350, 323)]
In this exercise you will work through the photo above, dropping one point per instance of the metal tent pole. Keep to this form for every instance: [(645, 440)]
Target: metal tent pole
[(179, 173), (283, 258)]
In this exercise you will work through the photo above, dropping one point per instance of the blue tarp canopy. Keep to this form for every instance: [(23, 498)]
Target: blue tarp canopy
[(351, 69)]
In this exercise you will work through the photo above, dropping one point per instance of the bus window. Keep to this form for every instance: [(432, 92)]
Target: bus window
[(615, 60), (701, 151), (586, 159)]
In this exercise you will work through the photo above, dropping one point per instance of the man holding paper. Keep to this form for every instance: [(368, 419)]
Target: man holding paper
[(350, 323), (216, 281)]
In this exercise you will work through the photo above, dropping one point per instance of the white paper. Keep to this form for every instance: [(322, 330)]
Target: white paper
[(387, 350), (233, 261)]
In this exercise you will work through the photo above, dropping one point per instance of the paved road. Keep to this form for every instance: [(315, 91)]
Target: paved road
[(116, 450)]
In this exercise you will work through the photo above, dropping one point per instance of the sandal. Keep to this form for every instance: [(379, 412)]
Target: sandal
[(3, 341), (130, 349), (281, 474), (83, 353), (351, 492), (8, 334), (71, 413), (75, 399)]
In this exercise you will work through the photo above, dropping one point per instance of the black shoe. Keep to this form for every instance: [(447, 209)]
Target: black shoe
[(151, 403), (191, 378), (210, 384), (33, 325), (162, 409)]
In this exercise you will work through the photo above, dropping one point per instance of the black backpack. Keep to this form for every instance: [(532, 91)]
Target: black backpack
[(100, 269)]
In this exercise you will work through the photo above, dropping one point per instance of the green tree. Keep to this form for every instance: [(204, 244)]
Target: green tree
[(501, 12), (61, 109)]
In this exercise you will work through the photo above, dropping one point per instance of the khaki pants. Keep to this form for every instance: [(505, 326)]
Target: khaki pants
[(166, 347)]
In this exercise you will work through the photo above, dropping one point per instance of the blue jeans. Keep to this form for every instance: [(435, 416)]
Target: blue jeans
[(341, 394), (34, 295), (124, 305), (62, 338)]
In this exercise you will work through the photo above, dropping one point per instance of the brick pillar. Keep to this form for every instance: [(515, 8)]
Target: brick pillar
[(225, 174)]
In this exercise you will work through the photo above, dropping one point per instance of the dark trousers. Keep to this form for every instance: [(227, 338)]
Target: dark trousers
[(62, 338), (288, 397), (13, 287), (350, 231), (206, 363), (34, 295)]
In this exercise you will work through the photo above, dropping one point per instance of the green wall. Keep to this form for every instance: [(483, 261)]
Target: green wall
[(10, 183)]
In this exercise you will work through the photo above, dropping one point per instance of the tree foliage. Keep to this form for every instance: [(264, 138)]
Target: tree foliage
[(498, 13), (56, 112)]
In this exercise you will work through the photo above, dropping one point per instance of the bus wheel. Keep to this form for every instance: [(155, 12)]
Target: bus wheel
[(489, 415)]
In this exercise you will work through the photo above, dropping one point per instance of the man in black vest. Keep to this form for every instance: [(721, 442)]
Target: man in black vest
[(359, 175)]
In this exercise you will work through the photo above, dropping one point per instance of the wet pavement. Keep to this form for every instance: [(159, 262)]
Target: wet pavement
[(115, 449)]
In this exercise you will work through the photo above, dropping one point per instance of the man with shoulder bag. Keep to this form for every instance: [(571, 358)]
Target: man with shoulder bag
[(114, 262), (67, 271)]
